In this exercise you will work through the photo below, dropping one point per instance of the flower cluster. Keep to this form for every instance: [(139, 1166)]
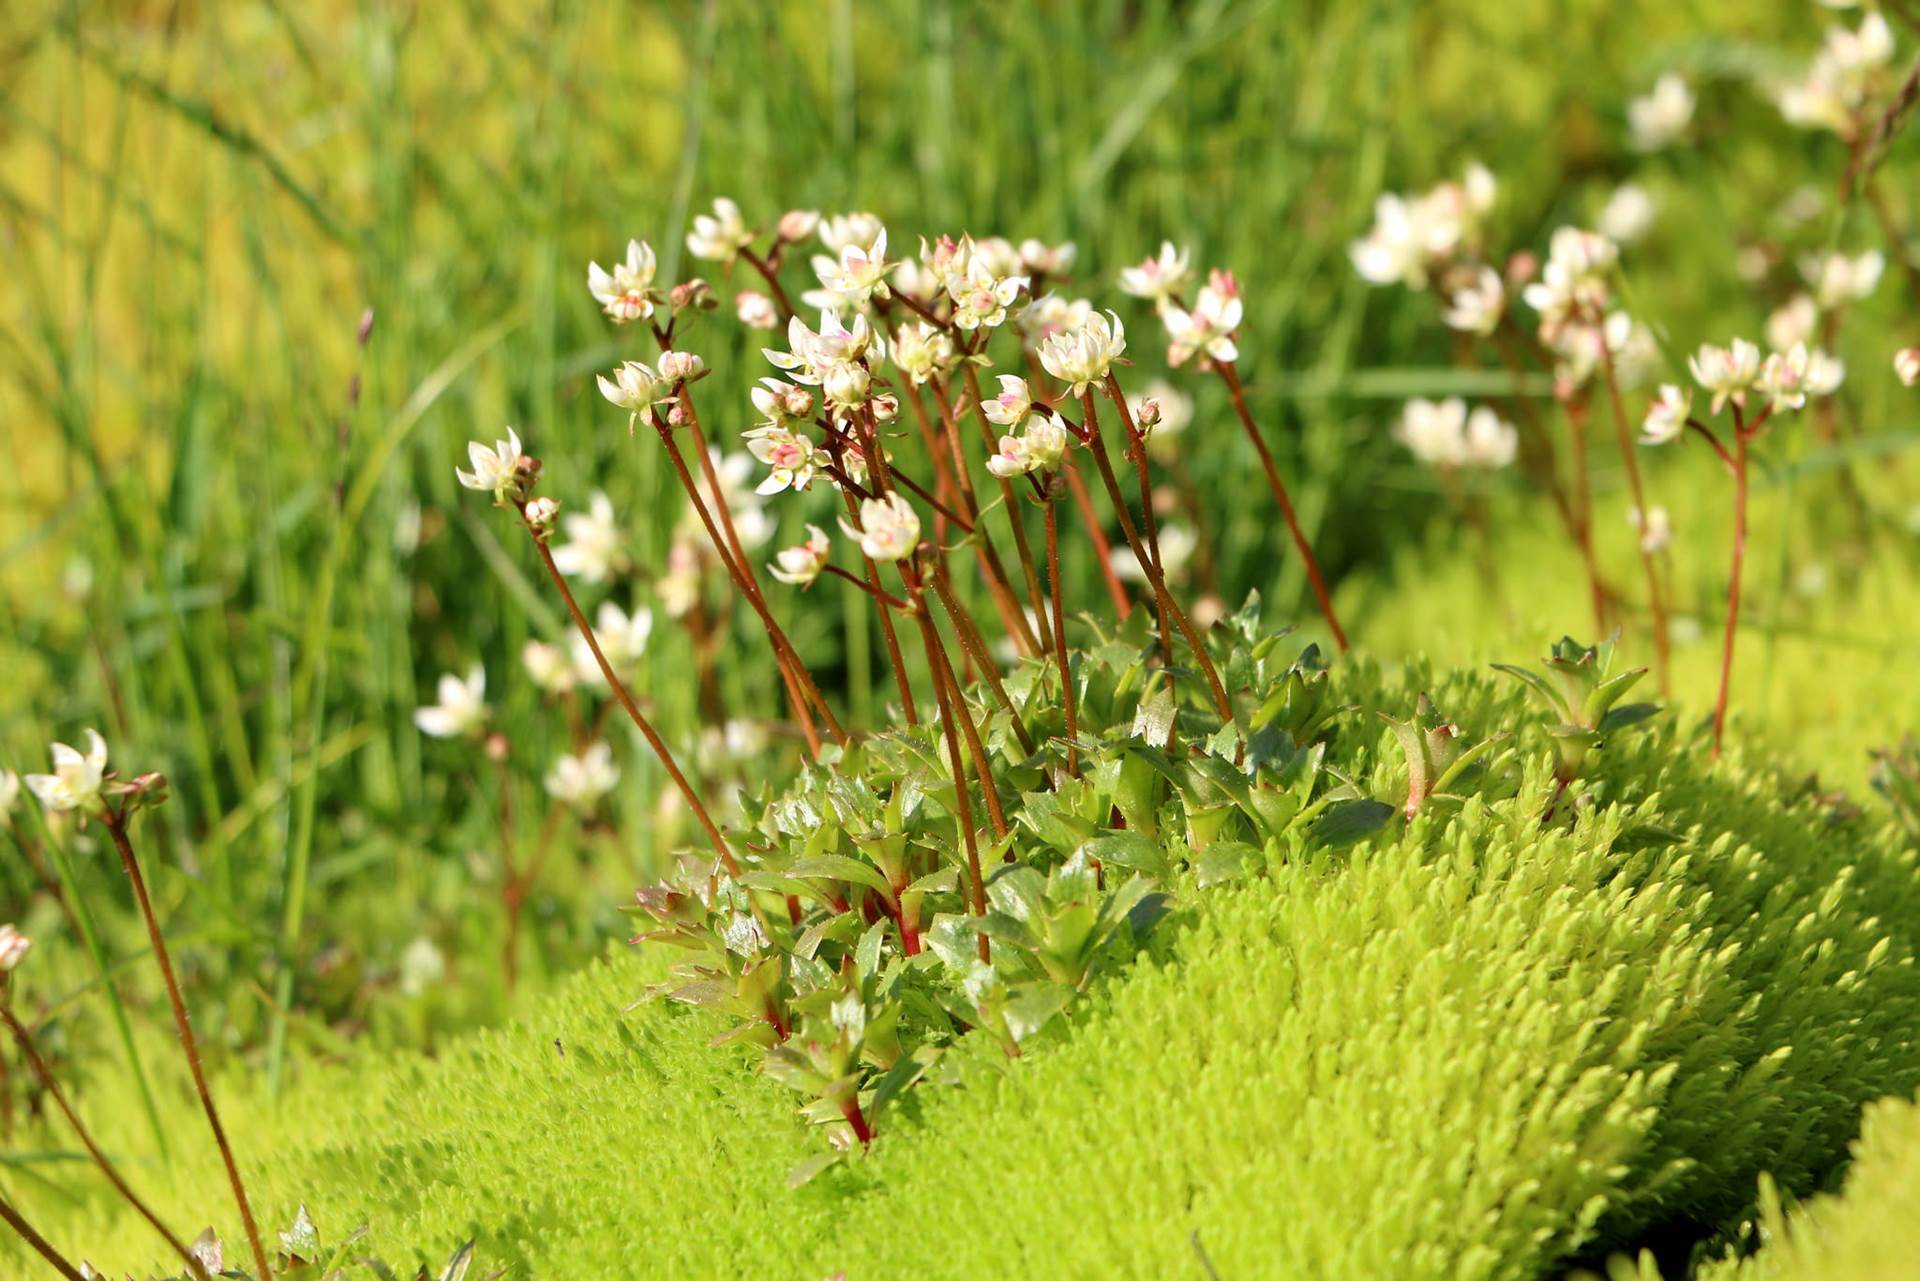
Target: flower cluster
[(1446, 435), (1414, 237), (1844, 77)]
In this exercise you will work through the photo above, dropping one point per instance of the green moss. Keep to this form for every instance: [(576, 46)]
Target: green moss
[(1476, 1046)]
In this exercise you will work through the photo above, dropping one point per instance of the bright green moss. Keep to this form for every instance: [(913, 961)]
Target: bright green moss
[(1477, 1046)]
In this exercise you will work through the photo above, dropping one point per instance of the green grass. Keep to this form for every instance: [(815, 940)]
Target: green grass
[(1478, 1048)]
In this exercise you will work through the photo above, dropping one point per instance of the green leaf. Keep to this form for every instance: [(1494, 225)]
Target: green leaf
[(806, 1171), (1130, 850), (1345, 822), (1538, 683), (1153, 719), (1628, 714), (1033, 1006), (838, 867), (1224, 861)]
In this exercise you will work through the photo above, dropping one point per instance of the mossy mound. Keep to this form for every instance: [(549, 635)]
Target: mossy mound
[(1478, 1044)]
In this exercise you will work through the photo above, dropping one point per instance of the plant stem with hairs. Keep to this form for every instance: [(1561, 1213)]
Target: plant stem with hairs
[(1067, 694), (116, 825), (998, 583), (31, 1053), (975, 644), (1740, 461), (1582, 508), (40, 1245), (1041, 632), (1231, 377)]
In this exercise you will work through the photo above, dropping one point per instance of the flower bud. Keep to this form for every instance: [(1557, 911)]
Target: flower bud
[(798, 224), (755, 310), (541, 513), (1147, 417), (682, 366), (692, 293), (497, 749), (1906, 364)]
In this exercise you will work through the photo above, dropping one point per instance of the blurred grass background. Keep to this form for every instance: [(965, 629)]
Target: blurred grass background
[(248, 579)]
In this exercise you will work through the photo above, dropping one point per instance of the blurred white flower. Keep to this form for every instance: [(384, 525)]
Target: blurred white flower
[(797, 224), (1159, 277), (626, 292), (755, 310), (595, 549), (1083, 357), (1039, 257), (1656, 531), (548, 668), (802, 563), (678, 584), (422, 966), (857, 230), (1662, 116), (1177, 544), (1795, 321), (1838, 279), (1727, 372), (1443, 434), (1906, 366), (1050, 315), (1667, 416), (1573, 285), (1843, 76), (9, 794), (13, 948), (1476, 307), (460, 709), (1412, 235), (585, 778), (721, 235), (1490, 442), (1628, 214), (888, 529), (495, 471), (622, 638), (1175, 414)]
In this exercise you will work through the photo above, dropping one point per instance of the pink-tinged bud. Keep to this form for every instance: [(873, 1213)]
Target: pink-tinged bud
[(497, 748), (1522, 267), (1148, 416), (682, 366), (541, 513), (365, 331), (755, 310), (799, 401), (692, 293), (885, 408), (798, 224), (676, 415)]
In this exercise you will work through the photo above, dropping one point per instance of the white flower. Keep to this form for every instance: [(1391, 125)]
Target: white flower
[(1825, 373), (1838, 279), (1041, 258), (857, 230), (75, 781), (1578, 344), (812, 355), (1084, 356), (495, 471), (678, 585), (1788, 378), (634, 387), (751, 522), (1157, 278), (1573, 284), (585, 778), (1401, 245), (13, 948), (721, 235), (1476, 307), (1177, 544), (622, 638), (422, 966), (857, 275), (888, 529), (1841, 79), (9, 793), (800, 564), (755, 310), (1628, 214), (1209, 327), (1906, 366), (1656, 530), (1434, 432), (1011, 407), (793, 457), (922, 352), (1659, 119), (1490, 442), (626, 292), (1727, 372), (548, 667), (595, 549), (1667, 416), (461, 707), (1046, 442), (980, 293), (1794, 322)]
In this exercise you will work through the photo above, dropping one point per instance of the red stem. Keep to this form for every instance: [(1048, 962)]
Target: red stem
[(1733, 585)]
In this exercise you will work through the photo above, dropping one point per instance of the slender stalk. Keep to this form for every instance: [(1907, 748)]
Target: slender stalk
[(625, 699), (1019, 527), (1137, 454), (953, 702), (772, 277), (887, 631), (48, 1082), (1656, 604), (1157, 581), (943, 481), (1231, 376), (1582, 505), (41, 1246), (1116, 591), (115, 824), (1067, 693), (963, 808), (883, 596), (975, 644), (1733, 585), (998, 583), (787, 657)]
